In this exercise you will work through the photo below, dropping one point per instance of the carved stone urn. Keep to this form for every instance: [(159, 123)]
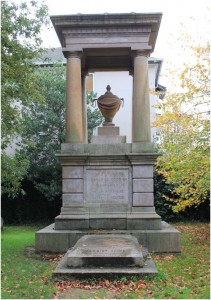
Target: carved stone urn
[(109, 104)]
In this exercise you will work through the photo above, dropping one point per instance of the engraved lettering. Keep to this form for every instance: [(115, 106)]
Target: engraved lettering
[(107, 186)]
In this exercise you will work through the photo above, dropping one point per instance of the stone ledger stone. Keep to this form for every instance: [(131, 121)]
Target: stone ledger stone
[(106, 251)]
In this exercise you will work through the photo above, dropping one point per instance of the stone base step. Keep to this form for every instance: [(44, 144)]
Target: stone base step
[(62, 272), (165, 240), (119, 221)]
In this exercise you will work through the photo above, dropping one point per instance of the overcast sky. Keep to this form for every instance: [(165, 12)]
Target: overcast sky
[(193, 14)]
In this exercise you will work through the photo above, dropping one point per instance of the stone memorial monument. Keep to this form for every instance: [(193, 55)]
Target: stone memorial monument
[(107, 185)]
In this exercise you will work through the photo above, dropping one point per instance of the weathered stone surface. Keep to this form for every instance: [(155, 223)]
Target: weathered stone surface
[(72, 222), (50, 240), (141, 101), (71, 219), (72, 186), (143, 224), (73, 199), (106, 250), (143, 185), (108, 139), (142, 171), (74, 122), (72, 172), (76, 210), (155, 240), (115, 223), (107, 185), (93, 149), (138, 209), (143, 199), (100, 208), (108, 131), (146, 150), (63, 272), (143, 147), (111, 44)]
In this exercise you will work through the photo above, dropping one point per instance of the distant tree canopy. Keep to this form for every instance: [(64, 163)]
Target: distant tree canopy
[(20, 44), (44, 130), (185, 131)]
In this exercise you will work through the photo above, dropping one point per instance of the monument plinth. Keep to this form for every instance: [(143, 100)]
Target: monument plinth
[(108, 184)]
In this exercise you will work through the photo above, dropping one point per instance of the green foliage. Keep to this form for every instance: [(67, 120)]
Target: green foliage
[(13, 171), (30, 207), (20, 44), (163, 192), (94, 116), (185, 130), (20, 41), (44, 132), (163, 206)]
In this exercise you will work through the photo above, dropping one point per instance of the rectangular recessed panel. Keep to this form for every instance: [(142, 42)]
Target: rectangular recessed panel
[(72, 186), (72, 172), (107, 186), (143, 199), (142, 171), (143, 185), (72, 199)]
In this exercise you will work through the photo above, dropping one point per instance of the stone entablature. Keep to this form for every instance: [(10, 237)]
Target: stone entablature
[(106, 40)]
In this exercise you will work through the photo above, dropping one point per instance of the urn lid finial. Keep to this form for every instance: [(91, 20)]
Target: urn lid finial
[(108, 88)]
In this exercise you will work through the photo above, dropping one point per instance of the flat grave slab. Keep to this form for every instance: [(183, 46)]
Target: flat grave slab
[(106, 250), (105, 254)]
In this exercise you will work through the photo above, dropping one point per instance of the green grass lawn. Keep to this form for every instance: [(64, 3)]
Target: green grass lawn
[(23, 276), (186, 276)]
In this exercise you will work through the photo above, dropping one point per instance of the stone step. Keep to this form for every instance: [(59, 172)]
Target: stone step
[(166, 240), (135, 220)]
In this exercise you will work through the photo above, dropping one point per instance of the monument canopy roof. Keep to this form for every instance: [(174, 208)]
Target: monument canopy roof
[(107, 41)]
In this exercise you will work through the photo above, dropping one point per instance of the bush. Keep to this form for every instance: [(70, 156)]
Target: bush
[(164, 207), (30, 208)]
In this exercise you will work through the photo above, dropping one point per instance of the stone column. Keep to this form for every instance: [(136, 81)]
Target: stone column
[(84, 108), (141, 102), (74, 125)]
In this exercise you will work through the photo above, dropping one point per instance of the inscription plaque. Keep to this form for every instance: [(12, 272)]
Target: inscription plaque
[(107, 186)]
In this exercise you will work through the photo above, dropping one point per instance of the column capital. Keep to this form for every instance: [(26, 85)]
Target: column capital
[(75, 54), (143, 53)]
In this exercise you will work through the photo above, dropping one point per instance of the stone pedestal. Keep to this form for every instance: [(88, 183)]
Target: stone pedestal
[(108, 135), (107, 188)]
